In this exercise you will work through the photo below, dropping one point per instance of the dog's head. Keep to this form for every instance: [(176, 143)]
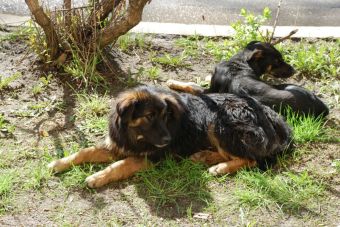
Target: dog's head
[(143, 117), (264, 58)]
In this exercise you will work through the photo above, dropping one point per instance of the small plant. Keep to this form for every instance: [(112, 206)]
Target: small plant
[(249, 29), (5, 126), (172, 182), (171, 61), (37, 175), (153, 72), (95, 125), (287, 190), (5, 81), (6, 185), (92, 105), (191, 45), (42, 85), (130, 41)]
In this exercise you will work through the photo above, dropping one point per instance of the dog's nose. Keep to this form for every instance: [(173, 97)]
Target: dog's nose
[(166, 139)]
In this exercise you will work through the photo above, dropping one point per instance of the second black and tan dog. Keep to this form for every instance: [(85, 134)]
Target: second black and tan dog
[(224, 131), (241, 75)]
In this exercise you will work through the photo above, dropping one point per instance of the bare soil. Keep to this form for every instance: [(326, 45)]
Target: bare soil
[(124, 203)]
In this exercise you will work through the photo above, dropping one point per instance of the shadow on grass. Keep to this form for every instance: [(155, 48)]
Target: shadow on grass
[(175, 189)]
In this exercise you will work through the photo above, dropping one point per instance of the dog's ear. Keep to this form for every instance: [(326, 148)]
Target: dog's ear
[(174, 106), (254, 55), (125, 108)]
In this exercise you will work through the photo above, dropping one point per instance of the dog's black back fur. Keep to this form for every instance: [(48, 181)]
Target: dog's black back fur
[(241, 74), (243, 126)]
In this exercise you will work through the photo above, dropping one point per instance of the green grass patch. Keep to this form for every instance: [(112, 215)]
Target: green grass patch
[(130, 41), (287, 190), (5, 126), (173, 182), (36, 175), (6, 194), (171, 61), (313, 59), (92, 105), (306, 128), (5, 81)]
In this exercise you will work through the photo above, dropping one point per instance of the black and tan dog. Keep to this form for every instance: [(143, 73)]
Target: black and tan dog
[(147, 123), (241, 75)]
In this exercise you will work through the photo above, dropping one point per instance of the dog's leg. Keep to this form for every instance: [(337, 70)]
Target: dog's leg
[(91, 154), (225, 167), (231, 166), (208, 157), (117, 171), (188, 87)]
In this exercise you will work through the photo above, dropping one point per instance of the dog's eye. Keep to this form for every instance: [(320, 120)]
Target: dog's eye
[(150, 116)]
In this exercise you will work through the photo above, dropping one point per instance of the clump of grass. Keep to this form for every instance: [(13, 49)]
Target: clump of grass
[(37, 175), (153, 72), (287, 190), (92, 105), (42, 85), (95, 125), (318, 59), (6, 185), (5, 126), (5, 81), (306, 128), (130, 41), (170, 61), (172, 182)]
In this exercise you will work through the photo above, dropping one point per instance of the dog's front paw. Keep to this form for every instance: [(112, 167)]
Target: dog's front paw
[(57, 166), (96, 180), (219, 169)]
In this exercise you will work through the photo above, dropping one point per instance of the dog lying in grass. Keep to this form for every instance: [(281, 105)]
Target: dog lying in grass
[(241, 75), (147, 124)]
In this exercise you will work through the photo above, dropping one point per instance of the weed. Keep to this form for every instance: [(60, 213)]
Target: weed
[(288, 190), (95, 125), (153, 72), (42, 85), (171, 61), (172, 181), (249, 29), (317, 59), (306, 128), (336, 165), (92, 105), (6, 185), (83, 68), (191, 45), (5, 81), (5, 126), (37, 174), (129, 41)]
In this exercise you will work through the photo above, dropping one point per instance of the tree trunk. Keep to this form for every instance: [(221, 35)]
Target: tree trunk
[(122, 24), (44, 21)]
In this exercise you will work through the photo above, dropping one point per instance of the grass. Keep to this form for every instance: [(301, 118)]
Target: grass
[(6, 185), (92, 105), (153, 72), (5, 126), (130, 41), (5, 81), (171, 61), (172, 182), (287, 190), (41, 86), (306, 128)]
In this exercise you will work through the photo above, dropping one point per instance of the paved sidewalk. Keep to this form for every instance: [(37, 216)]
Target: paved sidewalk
[(201, 29)]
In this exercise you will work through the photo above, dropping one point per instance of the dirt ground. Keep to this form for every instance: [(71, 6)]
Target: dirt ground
[(54, 127)]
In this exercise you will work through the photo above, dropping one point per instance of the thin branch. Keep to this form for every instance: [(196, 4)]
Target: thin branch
[(285, 37), (45, 22), (102, 10), (67, 5), (276, 20)]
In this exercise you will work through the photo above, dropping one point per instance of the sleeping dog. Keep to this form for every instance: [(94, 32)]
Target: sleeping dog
[(241, 75)]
